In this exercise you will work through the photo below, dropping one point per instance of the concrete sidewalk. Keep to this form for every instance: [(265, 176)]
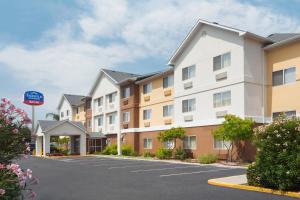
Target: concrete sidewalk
[(240, 182)]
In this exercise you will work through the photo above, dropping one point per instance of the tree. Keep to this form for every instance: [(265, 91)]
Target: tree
[(54, 116), (171, 135), (233, 130)]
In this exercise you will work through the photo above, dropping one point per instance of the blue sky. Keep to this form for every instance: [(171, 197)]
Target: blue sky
[(57, 46)]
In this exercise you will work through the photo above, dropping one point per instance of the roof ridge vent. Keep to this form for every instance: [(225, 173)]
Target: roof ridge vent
[(215, 23)]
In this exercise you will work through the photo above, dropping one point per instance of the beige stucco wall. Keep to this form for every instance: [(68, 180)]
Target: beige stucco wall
[(80, 116), (156, 102), (284, 97)]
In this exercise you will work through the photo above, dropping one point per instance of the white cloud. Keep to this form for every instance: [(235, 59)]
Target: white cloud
[(67, 60)]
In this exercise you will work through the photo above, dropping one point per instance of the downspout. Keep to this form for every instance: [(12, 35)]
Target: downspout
[(263, 97)]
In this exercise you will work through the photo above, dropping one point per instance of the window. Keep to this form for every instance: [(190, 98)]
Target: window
[(111, 97), (111, 119), (89, 124), (188, 105), (99, 101), (189, 142), (67, 112), (288, 114), (62, 114), (100, 120), (168, 81), (188, 72), (78, 110), (126, 92), (147, 143), (147, 88), (126, 116), (168, 110), (220, 144), (222, 99), (222, 61), (170, 144), (147, 114), (284, 76)]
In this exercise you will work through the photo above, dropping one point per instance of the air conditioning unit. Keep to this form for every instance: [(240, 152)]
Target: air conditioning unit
[(221, 114), (146, 98), (125, 126), (188, 85), (168, 92), (111, 106), (111, 128), (188, 118), (146, 124), (125, 102), (221, 76), (168, 121)]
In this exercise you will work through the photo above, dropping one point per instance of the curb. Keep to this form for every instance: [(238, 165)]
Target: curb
[(252, 188), (168, 161)]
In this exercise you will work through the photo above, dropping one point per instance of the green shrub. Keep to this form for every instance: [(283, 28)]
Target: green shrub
[(148, 154), (135, 154), (164, 153), (278, 158), (208, 159), (127, 150), (110, 150), (180, 154)]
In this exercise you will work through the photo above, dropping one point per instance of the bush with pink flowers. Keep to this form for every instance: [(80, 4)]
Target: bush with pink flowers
[(14, 138)]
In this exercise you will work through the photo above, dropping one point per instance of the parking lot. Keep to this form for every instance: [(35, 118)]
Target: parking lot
[(93, 178)]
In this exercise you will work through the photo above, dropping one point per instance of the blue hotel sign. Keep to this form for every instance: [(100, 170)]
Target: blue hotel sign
[(33, 98)]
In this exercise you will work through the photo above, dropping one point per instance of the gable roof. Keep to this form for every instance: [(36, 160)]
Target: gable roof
[(73, 100), (278, 37), (196, 28), (117, 77), (156, 75), (47, 125), (283, 39)]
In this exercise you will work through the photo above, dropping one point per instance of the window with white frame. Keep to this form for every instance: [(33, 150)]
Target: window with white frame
[(89, 124), (100, 120), (147, 143), (111, 97), (221, 61), (168, 81), (288, 114), (67, 112), (147, 114), (220, 144), (189, 142), (222, 99), (147, 88), (78, 110), (188, 105), (99, 101), (125, 92), (169, 144), (168, 110), (126, 117), (61, 114), (284, 76), (112, 119), (188, 72)]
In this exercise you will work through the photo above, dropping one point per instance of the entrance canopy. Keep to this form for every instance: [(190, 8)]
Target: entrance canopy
[(46, 128)]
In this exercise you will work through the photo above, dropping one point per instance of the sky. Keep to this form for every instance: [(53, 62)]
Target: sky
[(59, 46)]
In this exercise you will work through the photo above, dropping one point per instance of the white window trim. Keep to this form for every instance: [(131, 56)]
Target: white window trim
[(283, 76), (147, 139), (222, 64), (128, 117), (223, 145)]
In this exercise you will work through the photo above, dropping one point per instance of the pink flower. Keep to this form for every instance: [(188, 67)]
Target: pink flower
[(2, 166), (29, 173), (2, 192), (15, 131)]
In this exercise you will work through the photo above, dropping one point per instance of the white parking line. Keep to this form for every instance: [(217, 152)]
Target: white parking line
[(161, 169), (109, 164), (129, 166), (198, 172)]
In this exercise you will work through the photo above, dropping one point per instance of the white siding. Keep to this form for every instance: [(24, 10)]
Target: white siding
[(106, 86), (64, 107), (246, 65)]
